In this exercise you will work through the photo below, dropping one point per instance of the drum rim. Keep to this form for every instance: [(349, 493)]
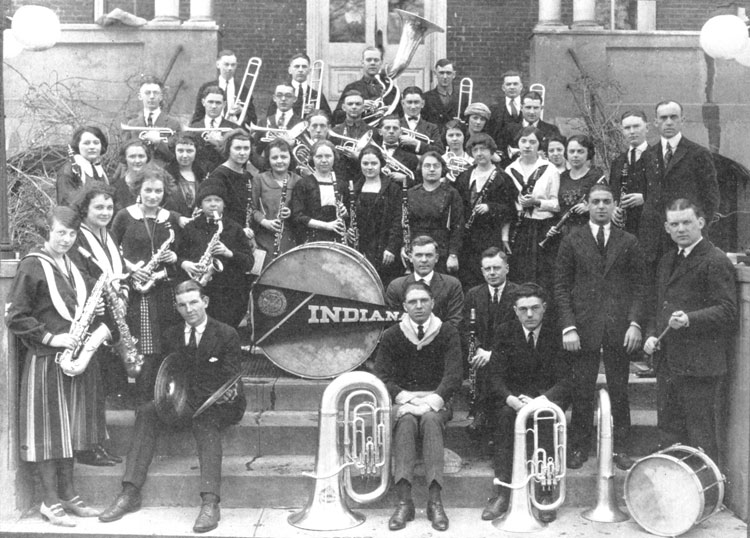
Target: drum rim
[(664, 454)]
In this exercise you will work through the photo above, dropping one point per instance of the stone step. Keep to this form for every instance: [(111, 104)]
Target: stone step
[(296, 433), (280, 481)]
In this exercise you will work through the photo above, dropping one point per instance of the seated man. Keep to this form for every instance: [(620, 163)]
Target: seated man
[(390, 134), (419, 360), (210, 140), (528, 362), (412, 101), (211, 351)]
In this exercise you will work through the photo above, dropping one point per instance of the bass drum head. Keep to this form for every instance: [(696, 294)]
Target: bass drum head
[(171, 391), (329, 269)]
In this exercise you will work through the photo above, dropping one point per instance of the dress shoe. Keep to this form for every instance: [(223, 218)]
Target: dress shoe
[(404, 512), (107, 454), (475, 430), (576, 459), (124, 503), (208, 518), (646, 374), (496, 506), (79, 508), (93, 457), (56, 515), (623, 461), (436, 514)]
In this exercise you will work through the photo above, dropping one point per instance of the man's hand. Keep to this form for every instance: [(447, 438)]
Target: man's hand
[(632, 339), (515, 402), (571, 341), (481, 209), (632, 200), (481, 358), (192, 269), (678, 320), (230, 395), (388, 257), (617, 217), (651, 345), (452, 263)]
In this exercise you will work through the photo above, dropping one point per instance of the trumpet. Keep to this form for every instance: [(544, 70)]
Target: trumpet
[(465, 88), (316, 88), (207, 131), (164, 132), (269, 133), (539, 88), (352, 145), (251, 73), (414, 135), (456, 165), (394, 166), (542, 470), (366, 448)]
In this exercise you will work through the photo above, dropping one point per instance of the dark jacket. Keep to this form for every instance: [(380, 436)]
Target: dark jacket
[(449, 297)]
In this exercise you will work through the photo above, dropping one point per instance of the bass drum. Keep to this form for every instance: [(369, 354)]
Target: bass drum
[(326, 269), (674, 489)]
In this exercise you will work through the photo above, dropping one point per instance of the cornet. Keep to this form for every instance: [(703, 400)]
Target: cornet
[(270, 132), (352, 145), (251, 73), (393, 165), (207, 131), (414, 135), (164, 132)]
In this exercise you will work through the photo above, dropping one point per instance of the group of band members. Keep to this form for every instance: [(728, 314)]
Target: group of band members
[(489, 210)]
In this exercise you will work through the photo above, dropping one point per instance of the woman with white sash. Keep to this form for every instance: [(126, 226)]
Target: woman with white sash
[(47, 292)]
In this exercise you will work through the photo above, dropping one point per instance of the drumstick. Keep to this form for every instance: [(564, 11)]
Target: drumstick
[(658, 339)]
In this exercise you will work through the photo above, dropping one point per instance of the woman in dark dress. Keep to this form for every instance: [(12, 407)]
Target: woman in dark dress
[(133, 156), (46, 293), (84, 163), (188, 175), (146, 234)]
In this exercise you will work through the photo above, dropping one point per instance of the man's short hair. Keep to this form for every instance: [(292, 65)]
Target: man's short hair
[(298, 56), (418, 285), (634, 114), (510, 73), (491, 252), (151, 79), (372, 49), (443, 62), (530, 289), (225, 52), (412, 90), (536, 96), (213, 88), (187, 286), (355, 93), (423, 241), (681, 204), (667, 102), (601, 187), (390, 117)]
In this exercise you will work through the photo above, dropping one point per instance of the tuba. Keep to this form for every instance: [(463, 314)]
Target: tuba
[(542, 470), (413, 29), (366, 447), (606, 509)]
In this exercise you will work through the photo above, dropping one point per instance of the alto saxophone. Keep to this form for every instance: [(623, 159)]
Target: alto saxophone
[(282, 206), (353, 217), (125, 347), (73, 361), (208, 264), (153, 263), (472, 351)]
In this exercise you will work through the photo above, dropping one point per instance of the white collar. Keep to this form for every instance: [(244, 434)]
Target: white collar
[(427, 279), (536, 334), (500, 289), (640, 148), (199, 329), (687, 250), (155, 114), (674, 142), (136, 213)]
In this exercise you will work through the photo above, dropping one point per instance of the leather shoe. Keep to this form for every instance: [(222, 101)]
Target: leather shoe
[(79, 508), (107, 454), (208, 518), (436, 514), (56, 515), (124, 503), (496, 506), (623, 461), (404, 512), (576, 459), (475, 430), (93, 457)]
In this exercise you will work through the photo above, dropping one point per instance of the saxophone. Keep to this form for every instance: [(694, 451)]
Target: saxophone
[(472, 351), (126, 346), (73, 361), (282, 206), (353, 217), (208, 264), (153, 263)]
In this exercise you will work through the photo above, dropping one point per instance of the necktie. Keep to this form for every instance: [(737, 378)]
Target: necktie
[(281, 121), (678, 260), (668, 154), (513, 109), (299, 89), (530, 342), (150, 120), (413, 118), (494, 295), (420, 332), (192, 340), (632, 157), (600, 240), (213, 122)]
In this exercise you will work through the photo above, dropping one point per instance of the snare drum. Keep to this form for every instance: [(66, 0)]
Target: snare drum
[(670, 491)]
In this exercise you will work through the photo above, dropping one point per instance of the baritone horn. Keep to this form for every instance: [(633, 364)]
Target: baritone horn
[(539, 88), (544, 470), (248, 79), (365, 448), (606, 509)]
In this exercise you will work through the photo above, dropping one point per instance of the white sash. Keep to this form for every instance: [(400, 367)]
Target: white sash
[(115, 265), (57, 300)]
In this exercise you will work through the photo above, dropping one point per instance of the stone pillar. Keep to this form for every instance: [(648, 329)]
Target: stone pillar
[(166, 12), (201, 12), (550, 14), (646, 16), (584, 14)]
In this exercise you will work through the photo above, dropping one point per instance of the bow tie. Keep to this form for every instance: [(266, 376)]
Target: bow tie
[(413, 118)]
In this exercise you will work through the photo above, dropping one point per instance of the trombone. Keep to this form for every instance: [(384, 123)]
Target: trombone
[(465, 88), (316, 88), (269, 133), (164, 132), (251, 72), (539, 88)]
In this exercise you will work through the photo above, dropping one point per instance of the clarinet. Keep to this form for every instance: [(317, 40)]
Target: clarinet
[(353, 217), (339, 205), (526, 189), (249, 206), (480, 200), (282, 205), (405, 228), (566, 216), (472, 351), (624, 190), (74, 166)]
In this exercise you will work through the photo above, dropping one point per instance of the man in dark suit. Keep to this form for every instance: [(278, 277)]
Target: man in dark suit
[(449, 296), (284, 118), (419, 360), (684, 169), (412, 103), (508, 110), (696, 298), (492, 303), (390, 135), (209, 141), (441, 102), (211, 353), (299, 72), (151, 95), (600, 290), (531, 114), (352, 125), (369, 87), (528, 363), (226, 63)]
